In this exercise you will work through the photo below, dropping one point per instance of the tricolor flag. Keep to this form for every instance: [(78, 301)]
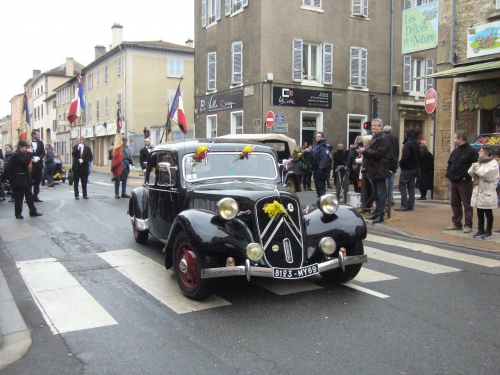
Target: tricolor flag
[(26, 109), (177, 111), (117, 162), (78, 102)]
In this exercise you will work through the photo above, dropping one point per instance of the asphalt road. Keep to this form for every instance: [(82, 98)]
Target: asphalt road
[(417, 308)]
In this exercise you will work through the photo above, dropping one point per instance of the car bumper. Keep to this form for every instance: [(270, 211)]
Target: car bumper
[(248, 270)]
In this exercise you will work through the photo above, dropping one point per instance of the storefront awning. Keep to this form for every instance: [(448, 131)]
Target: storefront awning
[(465, 70)]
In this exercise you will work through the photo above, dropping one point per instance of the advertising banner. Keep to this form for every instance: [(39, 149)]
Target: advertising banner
[(420, 28), (483, 40)]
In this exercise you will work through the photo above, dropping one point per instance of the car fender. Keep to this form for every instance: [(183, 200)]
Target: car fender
[(345, 226), (138, 204)]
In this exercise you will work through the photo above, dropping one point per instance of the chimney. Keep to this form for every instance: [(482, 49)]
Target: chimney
[(36, 73), (99, 51), (189, 42), (69, 67), (117, 31)]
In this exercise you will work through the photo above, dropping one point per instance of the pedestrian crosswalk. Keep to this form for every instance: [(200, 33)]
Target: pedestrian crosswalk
[(67, 306)]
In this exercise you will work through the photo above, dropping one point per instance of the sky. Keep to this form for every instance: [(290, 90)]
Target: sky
[(37, 34)]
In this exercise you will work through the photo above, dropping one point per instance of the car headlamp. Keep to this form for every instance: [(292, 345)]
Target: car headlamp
[(327, 245), (254, 251), (227, 208), (329, 204)]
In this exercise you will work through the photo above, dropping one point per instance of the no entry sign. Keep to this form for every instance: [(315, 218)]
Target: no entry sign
[(270, 119), (430, 101)]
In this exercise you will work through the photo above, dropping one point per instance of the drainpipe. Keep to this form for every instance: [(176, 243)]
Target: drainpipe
[(452, 36), (391, 62)]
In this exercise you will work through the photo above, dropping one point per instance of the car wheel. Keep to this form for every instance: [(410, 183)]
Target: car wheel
[(188, 265), (292, 185), (140, 236), (339, 276)]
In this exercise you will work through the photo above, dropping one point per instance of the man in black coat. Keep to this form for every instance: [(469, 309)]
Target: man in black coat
[(144, 153), (320, 159), (37, 165), (20, 180), (376, 162), (409, 164), (82, 156)]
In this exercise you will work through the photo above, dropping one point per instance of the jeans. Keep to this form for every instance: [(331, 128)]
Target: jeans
[(380, 193), (460, 195), (123, 177), (49, 173), (319, 182), (391, 180), (407, 188)]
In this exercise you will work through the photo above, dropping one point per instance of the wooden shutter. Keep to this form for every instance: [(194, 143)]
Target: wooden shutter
[(356, 7), (365, 8), (245, 3), (354, 66), (228, 7), (237, 62), (297, 59), (407, 84), (429, 69), (327, 63), (211, 71), (203, 13), (364, 66), (217, 10)]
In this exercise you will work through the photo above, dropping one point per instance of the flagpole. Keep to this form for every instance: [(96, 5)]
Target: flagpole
[(168, 117), (168, 125)]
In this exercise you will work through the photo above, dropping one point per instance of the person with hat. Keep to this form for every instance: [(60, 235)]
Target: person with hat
[(127, 161), (82, 157), (20, 181)]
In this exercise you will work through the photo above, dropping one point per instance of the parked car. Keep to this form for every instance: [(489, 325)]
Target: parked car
[(220, 208)]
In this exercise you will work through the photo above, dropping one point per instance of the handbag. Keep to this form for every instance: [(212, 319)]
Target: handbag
[(356, 168)]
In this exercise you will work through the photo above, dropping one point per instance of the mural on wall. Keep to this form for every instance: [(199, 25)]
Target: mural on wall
[(478, 95), (420, 28), (483, 40)]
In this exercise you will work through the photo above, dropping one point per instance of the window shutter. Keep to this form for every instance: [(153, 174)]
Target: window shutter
[(327, 63), (217, 10), (228, 7), (356, 7), (429, 69), (211, 70), (237, 62), (407, 74), (297, 59), (355, 81), (364, 66), (245, 3), (365, 8), (203, 13)]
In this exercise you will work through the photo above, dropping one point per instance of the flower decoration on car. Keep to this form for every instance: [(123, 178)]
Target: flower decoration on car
[(201, 154), (299, 155), (244, 154), (274, 209)]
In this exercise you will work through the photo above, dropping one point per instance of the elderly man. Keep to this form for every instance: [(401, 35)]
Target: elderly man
[(82, 157), (376, 161), (144, 153)]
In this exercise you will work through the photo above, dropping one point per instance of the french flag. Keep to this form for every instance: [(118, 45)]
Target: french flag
[(177, 111), (78, 103)]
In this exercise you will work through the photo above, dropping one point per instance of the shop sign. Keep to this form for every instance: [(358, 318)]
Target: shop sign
[(483, 40), (288, 97), (220, 102), (420, 28)]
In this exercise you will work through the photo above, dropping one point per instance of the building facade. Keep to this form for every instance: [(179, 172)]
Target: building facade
[(316, 65), (17, 116)]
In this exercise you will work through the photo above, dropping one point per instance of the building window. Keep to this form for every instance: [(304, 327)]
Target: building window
[(414, 68), (210, 12), (54, 103), (175, 67), (89, 112), (497, 4), (106, 107), (415, 3), (359, 8), (97, 78), (41, 90), (359, 67), (318, 4), (237, 63), (312, 62), (89, 81), (355, 127), (41, 107), (105, 73), (211, 71), (97, 110), (54, 125), (233, 6), (119, 67), (237, 122), (212, 126)]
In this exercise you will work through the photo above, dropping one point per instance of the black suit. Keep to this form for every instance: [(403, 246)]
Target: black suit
[(37, 168), (20, 181), (81, 170), (143, 156)]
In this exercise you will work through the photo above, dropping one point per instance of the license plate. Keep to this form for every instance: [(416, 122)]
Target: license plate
[(295, 273)]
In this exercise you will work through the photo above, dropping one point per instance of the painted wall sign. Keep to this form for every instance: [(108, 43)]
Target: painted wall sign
[(420, 28), (220, 102), (283, 96), (483, 40)]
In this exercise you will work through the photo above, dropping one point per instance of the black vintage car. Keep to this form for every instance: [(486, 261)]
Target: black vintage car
[(221, 210)]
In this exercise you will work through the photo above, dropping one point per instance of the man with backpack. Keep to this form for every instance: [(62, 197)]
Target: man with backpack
[(409, 163)]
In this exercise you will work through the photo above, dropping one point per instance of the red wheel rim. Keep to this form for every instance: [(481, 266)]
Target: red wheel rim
[(192, 273)]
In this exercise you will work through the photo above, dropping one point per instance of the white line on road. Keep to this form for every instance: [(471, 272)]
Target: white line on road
[(157, 281), (366, 290), (427, 249), (64, 303), (400, 260), (366, 275)]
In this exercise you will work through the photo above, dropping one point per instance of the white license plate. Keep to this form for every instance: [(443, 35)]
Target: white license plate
[(295, 273)]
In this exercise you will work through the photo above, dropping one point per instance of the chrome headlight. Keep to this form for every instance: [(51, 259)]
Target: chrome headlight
[(327, 245), (328, 204), (254, 251), (227, 208)]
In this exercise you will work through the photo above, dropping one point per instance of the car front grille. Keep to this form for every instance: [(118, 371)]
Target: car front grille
[(281, 237)]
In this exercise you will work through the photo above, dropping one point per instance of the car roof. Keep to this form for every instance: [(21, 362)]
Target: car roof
[(268, 137), (190, 145)]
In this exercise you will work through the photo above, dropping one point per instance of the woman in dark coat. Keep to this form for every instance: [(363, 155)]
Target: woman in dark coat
[(426, 172), (351, 157)]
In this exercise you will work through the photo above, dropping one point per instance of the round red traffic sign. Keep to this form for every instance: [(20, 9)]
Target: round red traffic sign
[(270, 119), (430, 101)]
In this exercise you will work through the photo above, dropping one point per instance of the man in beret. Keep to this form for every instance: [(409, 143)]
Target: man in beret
[(20, 179)]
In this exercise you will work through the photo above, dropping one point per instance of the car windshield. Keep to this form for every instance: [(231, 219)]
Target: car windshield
[(218, 165)]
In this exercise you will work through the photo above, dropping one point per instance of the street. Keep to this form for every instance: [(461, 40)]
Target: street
[(96, 302)]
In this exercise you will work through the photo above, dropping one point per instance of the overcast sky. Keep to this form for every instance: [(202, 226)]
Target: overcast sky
[(37, 34)]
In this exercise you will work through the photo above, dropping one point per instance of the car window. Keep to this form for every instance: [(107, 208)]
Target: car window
[(229, 165), (166, 171)]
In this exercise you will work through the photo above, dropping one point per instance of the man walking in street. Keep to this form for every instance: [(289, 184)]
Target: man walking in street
[(82, 157), (320, 159), (393, 160), (50, 164), (37, 165), (127, 161), (409, 165), (461, 184), (376, 162)]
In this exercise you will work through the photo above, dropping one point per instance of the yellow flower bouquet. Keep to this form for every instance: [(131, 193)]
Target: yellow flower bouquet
[(244, 154), (274, 209)]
